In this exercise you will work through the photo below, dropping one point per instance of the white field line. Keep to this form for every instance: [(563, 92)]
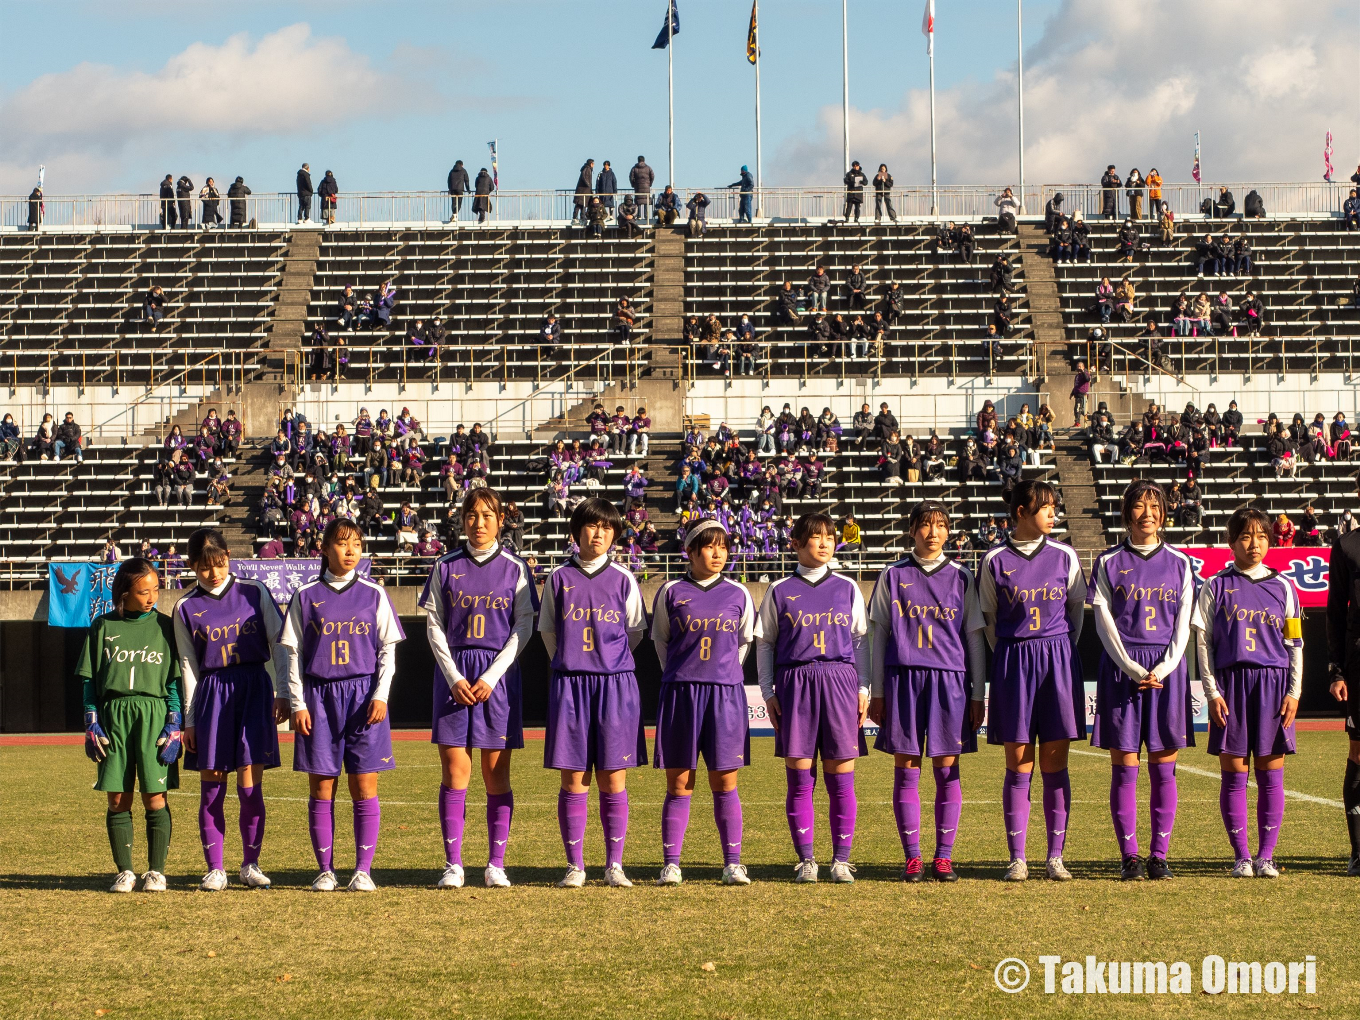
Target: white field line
[(1290, 794)]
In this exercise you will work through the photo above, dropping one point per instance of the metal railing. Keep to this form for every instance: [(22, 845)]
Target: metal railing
[(430, 208)]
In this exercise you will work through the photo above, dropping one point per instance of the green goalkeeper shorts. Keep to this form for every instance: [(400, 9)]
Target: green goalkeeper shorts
[(133, 723)]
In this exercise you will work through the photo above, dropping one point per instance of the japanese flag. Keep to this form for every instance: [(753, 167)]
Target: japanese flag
[(928, 25)]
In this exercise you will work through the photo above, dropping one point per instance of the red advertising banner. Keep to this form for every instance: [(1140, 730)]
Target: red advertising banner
[(1307, 568)]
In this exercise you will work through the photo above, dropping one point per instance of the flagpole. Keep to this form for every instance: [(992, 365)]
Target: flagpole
[(670, 80), (845, 82), (757, 35), (934, 177), (1020, 91)]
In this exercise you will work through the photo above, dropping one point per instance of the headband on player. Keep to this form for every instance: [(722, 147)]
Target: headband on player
[(707, 524)]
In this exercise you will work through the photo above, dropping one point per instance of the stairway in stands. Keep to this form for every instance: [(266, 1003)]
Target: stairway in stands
[(1076, 483), (288, 324)]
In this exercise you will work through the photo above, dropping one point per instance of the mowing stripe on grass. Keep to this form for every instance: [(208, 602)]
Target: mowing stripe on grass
[(1290, 794)]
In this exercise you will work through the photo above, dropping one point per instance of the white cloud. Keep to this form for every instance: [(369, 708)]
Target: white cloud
[(1128, 84)]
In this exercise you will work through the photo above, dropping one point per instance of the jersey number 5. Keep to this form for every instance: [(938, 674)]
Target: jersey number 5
[(1251, 639)]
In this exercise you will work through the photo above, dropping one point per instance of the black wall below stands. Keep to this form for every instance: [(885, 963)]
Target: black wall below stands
[(39, 692)]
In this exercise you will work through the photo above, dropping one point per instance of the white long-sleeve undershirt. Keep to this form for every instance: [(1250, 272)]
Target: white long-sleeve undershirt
[(1076, 590), (661, 621), (635, 615), (1108, 632), (1203, 624), (767, 632), (521, 630)]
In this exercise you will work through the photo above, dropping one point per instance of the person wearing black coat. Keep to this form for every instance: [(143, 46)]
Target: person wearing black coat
[(184, 198), (855, 182), (855, 290), (210, 198), (168, 212), (892, 303), (237, 195), (1109, 193), (329, 190), (1001, 275), (1253, 206), (481, 199), (1053, 213), (642, 177), (883, 185), (747, 184), (581, 202), (607, 187), (35, 208), (459, 185), (1225, 205), (304, 193), (627, 216), (786, 305)]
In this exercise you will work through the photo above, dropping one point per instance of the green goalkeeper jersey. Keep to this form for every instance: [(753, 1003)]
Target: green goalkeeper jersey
[(130, 656)]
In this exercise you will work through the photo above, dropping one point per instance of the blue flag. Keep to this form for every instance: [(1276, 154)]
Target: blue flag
[(78, 592), (673, 24)]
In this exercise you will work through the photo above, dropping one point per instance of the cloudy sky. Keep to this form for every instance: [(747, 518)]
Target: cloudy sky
[(113, 94)]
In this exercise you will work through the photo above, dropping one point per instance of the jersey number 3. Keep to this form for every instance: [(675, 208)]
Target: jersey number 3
[(1034, 623)]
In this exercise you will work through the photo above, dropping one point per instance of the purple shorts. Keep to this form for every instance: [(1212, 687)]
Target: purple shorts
[(1254, 698), (1037, 692), (1127, 718), (494, 724), (709, 718), (594, 722), (818, 712), (925, 710), (341, 734), (234, 721)]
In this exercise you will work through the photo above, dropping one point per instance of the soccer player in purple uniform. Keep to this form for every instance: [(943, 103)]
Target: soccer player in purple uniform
[(481, 603), (928, 674), (1143, 594), (702, 628), (591, 619), (1249, 644), (1032, 593), (813, 665), (226, 634), (341, 634)]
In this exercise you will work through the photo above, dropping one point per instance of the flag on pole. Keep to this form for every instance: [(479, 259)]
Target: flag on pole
[(928, 25), (1327, 159), (1194, 170), (751, 35), (495, 168), (670, 27), (42, 169)]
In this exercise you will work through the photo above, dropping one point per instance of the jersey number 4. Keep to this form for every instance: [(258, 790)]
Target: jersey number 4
[(819, 642)]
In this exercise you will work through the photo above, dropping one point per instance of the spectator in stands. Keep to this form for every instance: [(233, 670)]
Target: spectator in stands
[(764, 432), (855, 183), (1251, 314), (1128, 239), (36, 208), (110, 553), (786, 306), (883, 187), (597, 214), (1192, 505), (1153, 180), (272, 549), (634, 486), (304, 192), (584, 190), (1081, 388), (639, 433), (1220, 313), (219, 483), (1001, 274), (1053, 213), (986, 418), (1002, 315), (686, 486), (892, 304), (1350, 211), (863, 423), (1007, 208), (182, 478), (818, 285), (1224, 205), (627, 217), (819, 335), (1166, 224), (1081, 239), (329, 190), (1125, 300), (667, 207), (67, 439), (1135, 186), (1104, 306), (1341, 436), (481, 199), (459, 185), (964, 244), (1253, 206), (642, 177), (184, 198), (1280, 450), (236, 197), (1100, 432), (210, 198), (168, 212), (1239, 258), (232, 431), (747, 184), (44, 439), (746, 346), (1282, 532), (346, 308), (382, 307), (885, 421), (698, 214), (624, 320), (856, 290), (1110, 184), (606, 186), (1310, 533), (153, 306), (11, 440)]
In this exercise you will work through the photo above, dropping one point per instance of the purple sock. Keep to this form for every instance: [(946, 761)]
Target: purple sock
[(727, 815), (1232, 804), (1015, 810), (1123, 807), (452, 818), (1269, 810), (212, 822), (840, 790), (367, 818), (571, 822), (500, 809), (1163, 805), (321, 823), (1057, 804), (614, 821), (798, 806), (674, 821), (948, 807), (251, 822), (907, 809)]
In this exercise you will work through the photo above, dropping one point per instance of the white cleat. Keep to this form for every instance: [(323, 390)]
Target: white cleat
[(153, 881), (452, 877), (361, 881), (735, 874), (1016, 871), (805, 871), (615, 878), (325, 882), (670, 875), (1057, 871), (125, 882), (253, 878), (842, 871), (214, 881), (1243, 869), (1265, 868), (573, 879), (495, 878)]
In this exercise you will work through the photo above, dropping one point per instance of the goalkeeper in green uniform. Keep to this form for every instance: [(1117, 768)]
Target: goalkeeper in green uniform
[(132, 717)]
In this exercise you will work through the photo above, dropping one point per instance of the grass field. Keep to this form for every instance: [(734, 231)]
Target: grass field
[(875, 949)]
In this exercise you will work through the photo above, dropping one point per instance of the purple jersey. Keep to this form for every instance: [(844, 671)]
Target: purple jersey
[(591, 618), (339, 630), (815, 620), (228, 629), (705, 631), (478, 598), (927, 613), (1031, 591), (1249, 620), (1145, 592)]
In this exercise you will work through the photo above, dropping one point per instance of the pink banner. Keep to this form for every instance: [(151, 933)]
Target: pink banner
[(1306, 568)]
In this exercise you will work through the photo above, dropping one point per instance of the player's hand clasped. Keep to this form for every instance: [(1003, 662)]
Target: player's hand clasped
[(471, 693)]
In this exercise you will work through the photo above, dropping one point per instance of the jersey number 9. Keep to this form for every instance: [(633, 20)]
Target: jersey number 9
[(588, 639)]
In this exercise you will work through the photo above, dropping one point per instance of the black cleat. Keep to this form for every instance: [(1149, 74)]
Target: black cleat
[(912, 872), (942, 868), (1157, 868), (1132, 869), (1353, 870)]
